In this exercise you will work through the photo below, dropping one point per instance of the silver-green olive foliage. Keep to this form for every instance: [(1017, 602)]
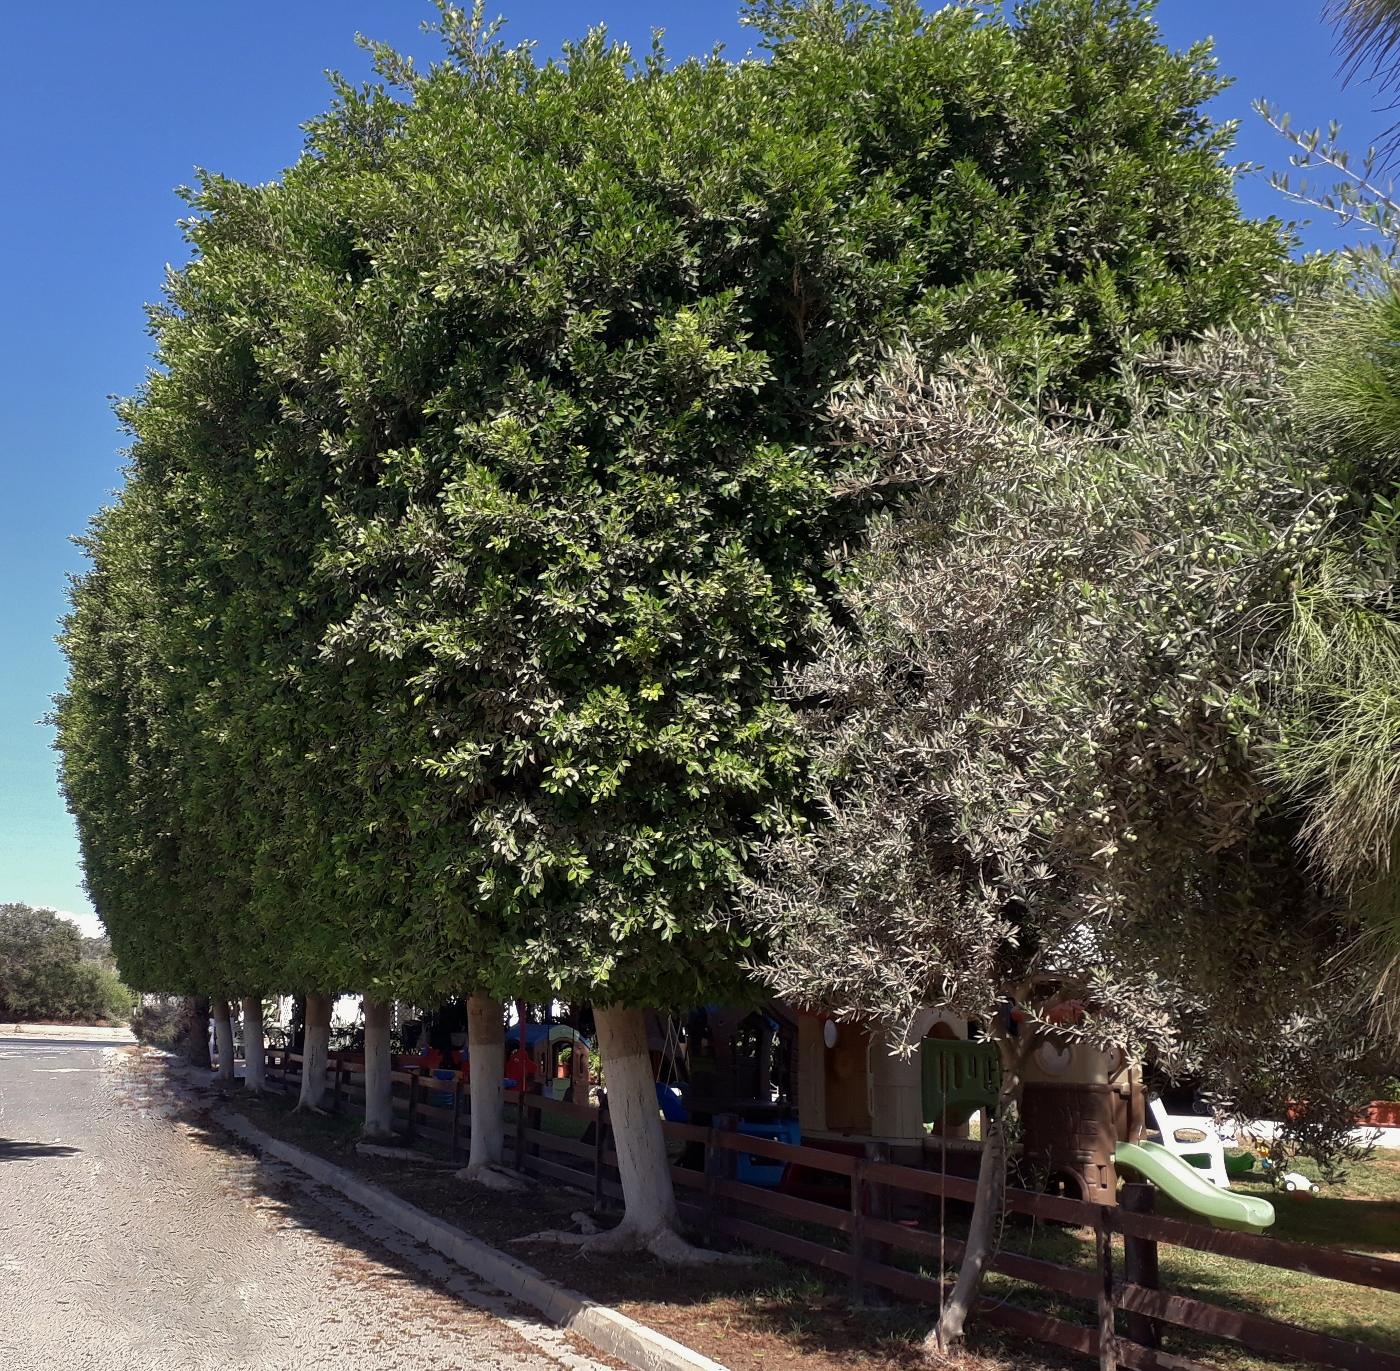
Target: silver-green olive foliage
[(498, 432), (1046, 735)]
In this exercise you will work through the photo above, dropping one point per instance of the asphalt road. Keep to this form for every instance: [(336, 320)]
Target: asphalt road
[(128, 1239)]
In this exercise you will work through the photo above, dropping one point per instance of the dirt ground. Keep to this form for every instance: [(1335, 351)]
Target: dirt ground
[(764, 1314)]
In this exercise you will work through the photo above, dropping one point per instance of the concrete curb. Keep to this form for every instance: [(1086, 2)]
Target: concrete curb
[(605, 1328)]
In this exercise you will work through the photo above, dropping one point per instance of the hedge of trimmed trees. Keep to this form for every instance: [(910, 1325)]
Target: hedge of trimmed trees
[(487, 486)]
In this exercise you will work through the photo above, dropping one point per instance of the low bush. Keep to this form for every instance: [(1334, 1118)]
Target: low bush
[(160, 1021), (47, 973)]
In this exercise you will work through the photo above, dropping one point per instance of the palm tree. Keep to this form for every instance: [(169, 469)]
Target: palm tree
[(1339, 685), (1370, 33), (1339, 754), (1369, 43)]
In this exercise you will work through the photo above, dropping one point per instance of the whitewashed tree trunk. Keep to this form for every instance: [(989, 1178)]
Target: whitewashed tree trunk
[(486, 1052), (223, 1036), (650, 1214), (254, 1047), (315, 1051), (649, 1221), (379, 1085)]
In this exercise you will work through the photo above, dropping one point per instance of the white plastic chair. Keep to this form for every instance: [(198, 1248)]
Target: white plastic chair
[(1211, 1146)]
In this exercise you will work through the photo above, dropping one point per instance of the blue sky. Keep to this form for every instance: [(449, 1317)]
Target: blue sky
[(105, 109)]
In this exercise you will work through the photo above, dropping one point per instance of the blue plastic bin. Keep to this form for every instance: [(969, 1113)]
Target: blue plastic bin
[(766, 1171)]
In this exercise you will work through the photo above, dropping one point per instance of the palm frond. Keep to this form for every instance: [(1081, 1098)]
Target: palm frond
[(1369, 43), (1369, 37), (1377, 948), (1340, 701), (1347, 383)]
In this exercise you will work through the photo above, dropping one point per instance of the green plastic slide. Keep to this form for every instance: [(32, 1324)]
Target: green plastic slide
[(1190, 1189)]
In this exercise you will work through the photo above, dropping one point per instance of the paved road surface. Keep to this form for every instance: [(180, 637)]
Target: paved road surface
[(128, 1241)]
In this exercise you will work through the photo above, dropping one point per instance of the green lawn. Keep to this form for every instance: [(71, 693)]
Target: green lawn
[(1361, 1214)]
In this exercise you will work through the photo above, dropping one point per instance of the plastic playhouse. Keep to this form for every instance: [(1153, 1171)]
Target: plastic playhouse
[(1084, 1117), (1083, 1111)]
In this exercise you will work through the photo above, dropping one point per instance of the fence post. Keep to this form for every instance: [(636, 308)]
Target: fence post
[(412, 1131), (1108, 1340), (1140, 1263), (533, 1114), (335, 1084), (600, 1133), (857, 1241), (456, 1116), (520, 1124), (869, 1199), (720, 1165), (522, 1017)]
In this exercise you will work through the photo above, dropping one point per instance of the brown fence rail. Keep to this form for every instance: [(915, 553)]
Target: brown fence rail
[(861, 1239)]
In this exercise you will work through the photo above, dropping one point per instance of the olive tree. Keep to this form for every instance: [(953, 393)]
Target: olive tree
[(1045, 730)]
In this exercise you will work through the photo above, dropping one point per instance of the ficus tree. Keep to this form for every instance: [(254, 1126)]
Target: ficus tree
[(120, 763), (597, 535), (498, 432)]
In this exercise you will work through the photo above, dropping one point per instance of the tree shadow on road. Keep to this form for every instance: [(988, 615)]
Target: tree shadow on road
[(11, 1150)]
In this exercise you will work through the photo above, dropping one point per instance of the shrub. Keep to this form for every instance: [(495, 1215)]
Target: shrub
[(44, 972), (160, 1021)]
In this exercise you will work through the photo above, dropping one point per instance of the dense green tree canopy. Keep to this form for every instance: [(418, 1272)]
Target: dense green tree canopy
[(487, 484), (115, 771), (48, 970)]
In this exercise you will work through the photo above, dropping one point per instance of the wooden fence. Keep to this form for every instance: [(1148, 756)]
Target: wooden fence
[(874, 1236)]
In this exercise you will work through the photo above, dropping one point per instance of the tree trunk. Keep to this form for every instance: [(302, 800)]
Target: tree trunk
[(991, 1175), (486, 1053), (987, 1208), (650, 1219), (650, 1201), (379, 1084), (254, 1047), (315, 1051), (223, 1037), (197, 1033)]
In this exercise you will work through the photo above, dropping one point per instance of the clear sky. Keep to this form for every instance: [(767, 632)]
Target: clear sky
[(105, 109)]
